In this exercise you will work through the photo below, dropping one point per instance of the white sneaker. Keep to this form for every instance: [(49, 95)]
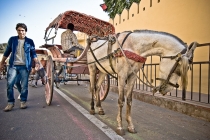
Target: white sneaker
[(18, 97), (15, 86)]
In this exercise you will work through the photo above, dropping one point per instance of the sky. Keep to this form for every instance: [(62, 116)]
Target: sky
[(37, 14)]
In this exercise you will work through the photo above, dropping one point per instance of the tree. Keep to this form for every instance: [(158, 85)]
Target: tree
[(116, 6)]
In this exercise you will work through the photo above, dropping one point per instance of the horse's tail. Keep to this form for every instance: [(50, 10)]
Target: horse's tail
[(183, 69)]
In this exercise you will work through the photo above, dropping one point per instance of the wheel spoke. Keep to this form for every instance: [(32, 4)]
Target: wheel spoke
[(104, 88)]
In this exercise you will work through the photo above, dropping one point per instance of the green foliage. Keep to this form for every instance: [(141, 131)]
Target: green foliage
[(117, 6)]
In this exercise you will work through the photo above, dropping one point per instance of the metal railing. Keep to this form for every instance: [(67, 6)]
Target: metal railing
[(198, 77)]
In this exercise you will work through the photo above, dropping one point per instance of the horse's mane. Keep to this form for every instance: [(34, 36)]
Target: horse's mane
[(162, 33), (117, 34), (184, 68)]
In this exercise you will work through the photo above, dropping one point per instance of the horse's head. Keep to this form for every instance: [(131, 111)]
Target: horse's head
[(172, 68)]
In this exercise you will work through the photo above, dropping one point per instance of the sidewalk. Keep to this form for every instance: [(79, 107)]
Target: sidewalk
[(191, 108)]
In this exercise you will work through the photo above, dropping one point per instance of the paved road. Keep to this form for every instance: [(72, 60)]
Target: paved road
[(62, 120), (151, 122)]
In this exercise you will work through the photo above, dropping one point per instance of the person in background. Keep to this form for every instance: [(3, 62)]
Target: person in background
[(22, 50), (40, 73), (43, 62), (70, 45)]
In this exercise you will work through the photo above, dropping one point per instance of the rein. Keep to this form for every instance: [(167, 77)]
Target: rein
[(118, 53), (94, 39), (178, 56), (125, 38), (150, 85), (130, 55)]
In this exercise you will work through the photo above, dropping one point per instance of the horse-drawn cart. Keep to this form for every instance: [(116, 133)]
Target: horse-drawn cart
[(122, 54), (77, 66)]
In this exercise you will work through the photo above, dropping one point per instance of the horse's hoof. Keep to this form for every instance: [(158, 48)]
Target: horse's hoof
[(132, 130), (101, 113), (120, 132), (92, 112)]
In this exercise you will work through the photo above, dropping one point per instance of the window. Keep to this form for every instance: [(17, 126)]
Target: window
[(144, 9), (132, 15)]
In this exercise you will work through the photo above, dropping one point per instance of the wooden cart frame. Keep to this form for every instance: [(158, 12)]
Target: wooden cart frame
[(83, 23)]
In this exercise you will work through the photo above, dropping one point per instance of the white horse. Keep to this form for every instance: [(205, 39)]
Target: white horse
[(137, 46)]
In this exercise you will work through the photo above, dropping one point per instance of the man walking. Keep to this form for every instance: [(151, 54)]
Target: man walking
[(22, 50)]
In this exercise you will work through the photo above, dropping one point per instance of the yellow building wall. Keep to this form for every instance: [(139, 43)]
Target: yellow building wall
[(187, 19), (82, 37)]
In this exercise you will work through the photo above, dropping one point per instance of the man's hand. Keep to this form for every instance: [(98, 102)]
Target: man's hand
[(1, 67), (2, 63), (37, 67)]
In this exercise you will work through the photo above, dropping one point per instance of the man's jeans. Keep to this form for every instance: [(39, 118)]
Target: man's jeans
[(17, 83), (22, 73)]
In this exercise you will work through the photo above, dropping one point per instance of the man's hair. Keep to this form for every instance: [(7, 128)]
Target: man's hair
[(70, 26), (22, 25)]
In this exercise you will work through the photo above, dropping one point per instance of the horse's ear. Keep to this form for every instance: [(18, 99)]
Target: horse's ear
[(190, 46), (191, 49)]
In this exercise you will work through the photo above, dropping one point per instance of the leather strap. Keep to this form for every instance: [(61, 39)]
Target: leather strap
[(96, 60), (109, 50), (125, 38)]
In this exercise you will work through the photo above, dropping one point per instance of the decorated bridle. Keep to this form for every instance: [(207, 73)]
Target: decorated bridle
[(166, 81), (188, 52)]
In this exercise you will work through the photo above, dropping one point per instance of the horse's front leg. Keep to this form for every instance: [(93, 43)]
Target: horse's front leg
[(92, 71), (121, 100), (130, 84), (101, 77)]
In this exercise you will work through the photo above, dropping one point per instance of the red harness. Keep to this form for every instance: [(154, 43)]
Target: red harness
[(130, 55)]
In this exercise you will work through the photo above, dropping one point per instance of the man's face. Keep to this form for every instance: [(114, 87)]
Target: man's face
[(21, 32)]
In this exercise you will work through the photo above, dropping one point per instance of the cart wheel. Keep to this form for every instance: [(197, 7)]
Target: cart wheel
[(49, 80), (104, 90), (1, 76)]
